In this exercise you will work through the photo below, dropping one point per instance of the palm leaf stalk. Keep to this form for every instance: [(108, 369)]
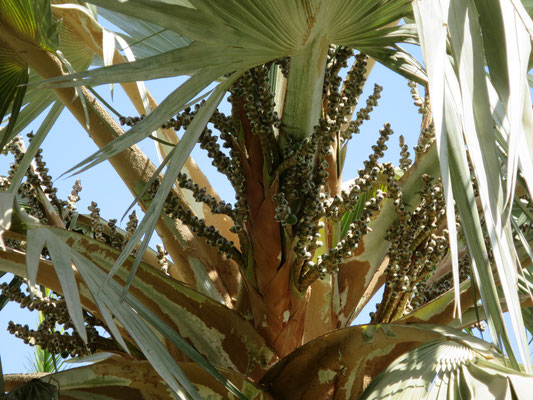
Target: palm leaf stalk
[(258, 297)]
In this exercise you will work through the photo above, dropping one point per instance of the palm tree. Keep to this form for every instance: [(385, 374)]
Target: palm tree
[(259, 297)]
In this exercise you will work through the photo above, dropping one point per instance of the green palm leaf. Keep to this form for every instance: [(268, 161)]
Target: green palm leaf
[(33, 21), (13, 77), (201, 25), (34, 389)]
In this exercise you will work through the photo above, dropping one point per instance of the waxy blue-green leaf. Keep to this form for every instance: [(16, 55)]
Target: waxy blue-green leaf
[(6, 211), (145, 39), (351, 19), (433, 41), (192, 23)]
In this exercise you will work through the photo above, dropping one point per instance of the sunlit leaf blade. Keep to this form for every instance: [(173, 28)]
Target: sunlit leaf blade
[(13, 77), (60, 253), (195, 24), (507, 57), (31, 19), (270, 21), (73, 47), (106, 315), (466, 204), (36, 242), (433, 41), (479, 138), (366, 27), (449, 369), (399, 61), (6, 211), (351, 20)]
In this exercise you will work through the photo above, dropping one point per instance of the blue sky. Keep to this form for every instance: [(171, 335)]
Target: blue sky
[(68, 144)]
